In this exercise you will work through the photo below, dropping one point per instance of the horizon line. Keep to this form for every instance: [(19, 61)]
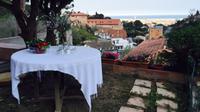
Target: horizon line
[(153, 15), (131, 14), (147, 14)]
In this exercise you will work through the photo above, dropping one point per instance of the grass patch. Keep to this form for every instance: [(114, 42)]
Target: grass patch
[(114, 93), (151, 99)]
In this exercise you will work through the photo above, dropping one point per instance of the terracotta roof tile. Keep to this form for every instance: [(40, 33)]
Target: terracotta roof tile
[(114, 33), (148, 47)]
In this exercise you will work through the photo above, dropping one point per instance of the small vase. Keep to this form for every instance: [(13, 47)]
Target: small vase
[(40, 51)]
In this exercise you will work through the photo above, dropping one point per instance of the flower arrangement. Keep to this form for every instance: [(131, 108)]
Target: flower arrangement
[(38, 46), (59, 24), (110, 55)]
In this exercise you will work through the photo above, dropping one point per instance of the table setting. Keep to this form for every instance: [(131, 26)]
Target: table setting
[(83, 63)]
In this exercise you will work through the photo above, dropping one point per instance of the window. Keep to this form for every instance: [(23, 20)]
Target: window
[(117, 41)]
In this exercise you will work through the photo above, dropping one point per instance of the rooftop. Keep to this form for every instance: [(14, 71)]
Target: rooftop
[(148, 47), (114, 33), (105, 21)]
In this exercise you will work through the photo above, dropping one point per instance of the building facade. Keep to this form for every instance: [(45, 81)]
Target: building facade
[(155, 32), (79, 18), (109, 33), (121, 44), (105, 23)]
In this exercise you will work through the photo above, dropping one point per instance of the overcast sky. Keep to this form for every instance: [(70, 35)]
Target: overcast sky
[(136, 7)]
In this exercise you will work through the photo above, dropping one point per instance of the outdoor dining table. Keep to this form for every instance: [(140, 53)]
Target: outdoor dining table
[(83, 63)]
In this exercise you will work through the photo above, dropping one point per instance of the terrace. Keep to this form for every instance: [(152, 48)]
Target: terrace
[(62, 77), (125, 88)]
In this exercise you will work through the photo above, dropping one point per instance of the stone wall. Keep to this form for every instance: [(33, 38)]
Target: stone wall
[(7, 49)]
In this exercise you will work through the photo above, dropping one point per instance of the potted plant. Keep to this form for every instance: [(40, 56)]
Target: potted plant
[(110, 57), (38, 46), (60, 24)]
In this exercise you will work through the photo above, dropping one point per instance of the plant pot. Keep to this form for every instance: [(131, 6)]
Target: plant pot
[(37, 50), (107, 61), (40, 51)]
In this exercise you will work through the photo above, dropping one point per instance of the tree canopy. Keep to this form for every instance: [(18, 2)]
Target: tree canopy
[(27, 19), (98, 16), (135, 28), (81, 34), (184, 40)]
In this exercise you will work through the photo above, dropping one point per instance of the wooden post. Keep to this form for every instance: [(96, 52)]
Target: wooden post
[(58, 100)]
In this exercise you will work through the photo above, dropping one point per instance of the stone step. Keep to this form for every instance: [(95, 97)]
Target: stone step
[(167, 103), (140, 90), (5, 77), (160, 85), (136, 101), (145, 83), (166, 93), (4, 66), (161, 109), (128, 109)]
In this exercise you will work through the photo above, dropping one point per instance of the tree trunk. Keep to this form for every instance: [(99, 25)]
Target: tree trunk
[(51, 36), (30, 32), (182, 62), (28, 25)]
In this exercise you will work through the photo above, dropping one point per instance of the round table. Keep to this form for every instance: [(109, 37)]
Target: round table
[(83, 63)]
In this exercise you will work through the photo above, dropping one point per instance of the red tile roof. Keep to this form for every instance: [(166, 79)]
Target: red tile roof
[(148, 47), (114, 33), (104, 21)]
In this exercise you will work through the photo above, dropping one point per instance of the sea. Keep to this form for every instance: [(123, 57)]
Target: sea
[(176, 17)]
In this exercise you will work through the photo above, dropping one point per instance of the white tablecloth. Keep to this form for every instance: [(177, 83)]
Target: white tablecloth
[(83, 63)]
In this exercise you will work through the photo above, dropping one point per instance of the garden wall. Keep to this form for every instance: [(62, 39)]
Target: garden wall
[(7, 49), (146, 73)]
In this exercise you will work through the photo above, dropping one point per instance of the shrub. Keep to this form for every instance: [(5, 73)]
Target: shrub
[(140, 58)]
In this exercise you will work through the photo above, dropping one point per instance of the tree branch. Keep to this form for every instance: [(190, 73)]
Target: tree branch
[(19, 14), (5, 5), (63, 4)]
